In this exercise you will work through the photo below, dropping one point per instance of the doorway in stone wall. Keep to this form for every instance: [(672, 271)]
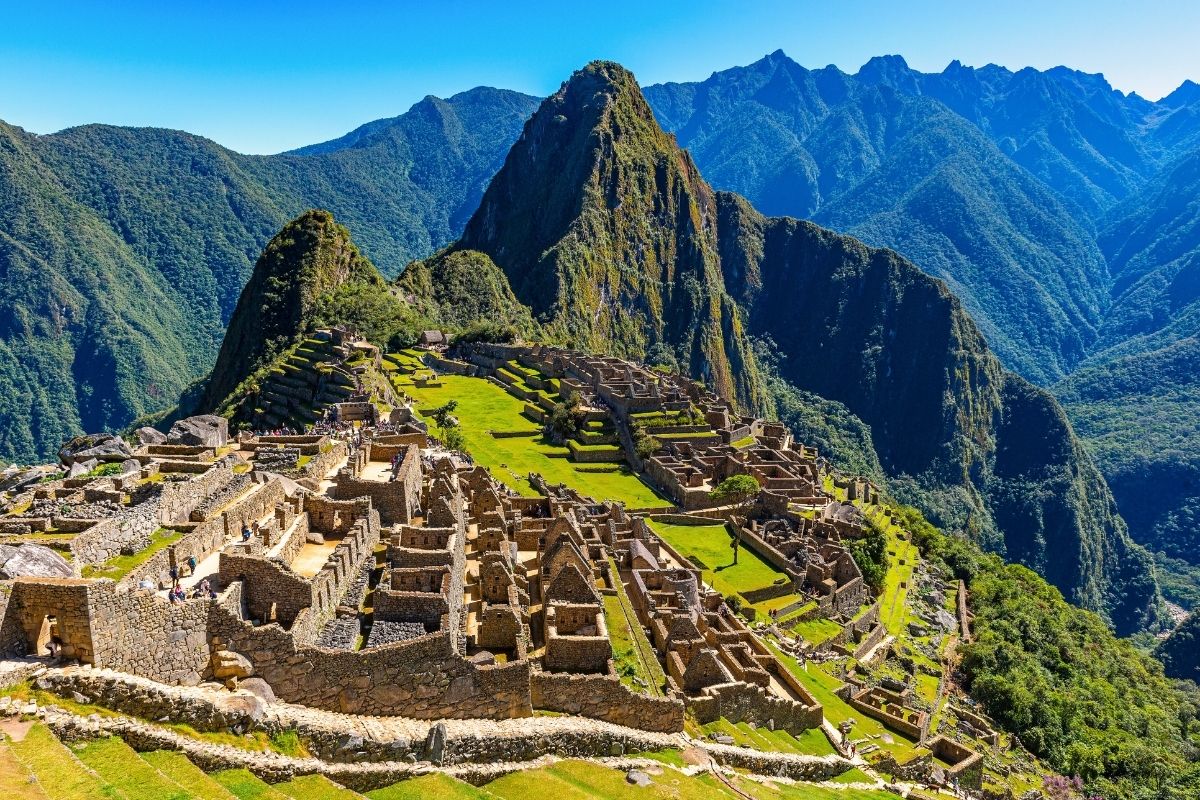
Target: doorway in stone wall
[(48, 642)]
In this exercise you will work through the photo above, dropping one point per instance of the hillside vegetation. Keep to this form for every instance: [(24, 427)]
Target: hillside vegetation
[(123, 251)]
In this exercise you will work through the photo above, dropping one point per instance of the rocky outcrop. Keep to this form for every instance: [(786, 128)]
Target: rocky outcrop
[(206, 430), (94, 446), (32, 561)]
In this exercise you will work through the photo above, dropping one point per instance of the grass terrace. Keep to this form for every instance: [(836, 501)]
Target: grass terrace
[(484, 407), (633, 655), (708, 547), (811, 742)]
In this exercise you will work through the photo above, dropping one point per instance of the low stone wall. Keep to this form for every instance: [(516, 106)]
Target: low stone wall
[(877, 635), (423, 678), (604, 697), (746, 702), (435, 361)]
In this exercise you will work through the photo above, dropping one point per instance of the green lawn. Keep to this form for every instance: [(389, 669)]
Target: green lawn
[(437, 786), (810, 742), (314, 787), (54, 767), (710, 544), (245, 785), (817, 630), (484, 407)]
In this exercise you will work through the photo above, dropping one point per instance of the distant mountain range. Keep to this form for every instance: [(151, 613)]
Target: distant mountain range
[(1059, 211)]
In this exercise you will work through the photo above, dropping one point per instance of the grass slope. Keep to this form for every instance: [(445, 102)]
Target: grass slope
[(484, 407), (119, 764), (57, 769)]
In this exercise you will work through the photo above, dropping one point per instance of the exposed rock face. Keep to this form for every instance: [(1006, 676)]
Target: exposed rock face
[(148, 435), (99, 446), (32, 561), (207, 430)]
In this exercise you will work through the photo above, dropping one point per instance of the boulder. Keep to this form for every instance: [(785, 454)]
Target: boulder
[(435, 746), (130, 466), (259, 688), (33, 561), (637, 778), (228, 664), (246, 709), (945, 620), (207, 430), (80, 468), (148, 435), (99, 446)]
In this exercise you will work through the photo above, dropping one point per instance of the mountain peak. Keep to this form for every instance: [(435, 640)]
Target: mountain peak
[(1187, 93), (604, 228), (890, 70), (306, 263)]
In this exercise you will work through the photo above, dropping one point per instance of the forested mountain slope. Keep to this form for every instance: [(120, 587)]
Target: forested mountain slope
[(123, 251)]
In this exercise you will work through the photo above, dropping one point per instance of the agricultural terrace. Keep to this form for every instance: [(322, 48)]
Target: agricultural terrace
[(484, 408)]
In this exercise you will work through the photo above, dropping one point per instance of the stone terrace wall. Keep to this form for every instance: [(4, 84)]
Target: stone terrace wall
[(108, 537), (745, 702), (604, 697), (423, 678)]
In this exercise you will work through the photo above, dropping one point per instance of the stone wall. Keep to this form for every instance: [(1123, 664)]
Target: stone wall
[(397, 501), (424, 678), (745, 702), (32, 600), (604, 697), (178, 499), (141, 633), (109, 537)]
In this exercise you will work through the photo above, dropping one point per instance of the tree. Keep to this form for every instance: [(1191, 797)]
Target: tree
[(736, 491), (442, 416), (454, 439)]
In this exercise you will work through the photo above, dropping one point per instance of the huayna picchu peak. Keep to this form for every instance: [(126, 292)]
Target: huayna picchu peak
[(697, 441)]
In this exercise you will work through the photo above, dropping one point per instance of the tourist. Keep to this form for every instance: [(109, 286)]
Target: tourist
[(245, 532), (174, 572), (192, 564)]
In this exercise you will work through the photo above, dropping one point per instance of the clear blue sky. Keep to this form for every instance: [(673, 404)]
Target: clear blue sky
[(262, 77)]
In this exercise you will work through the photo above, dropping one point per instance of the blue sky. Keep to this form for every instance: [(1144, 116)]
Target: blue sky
[(262, 77)]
